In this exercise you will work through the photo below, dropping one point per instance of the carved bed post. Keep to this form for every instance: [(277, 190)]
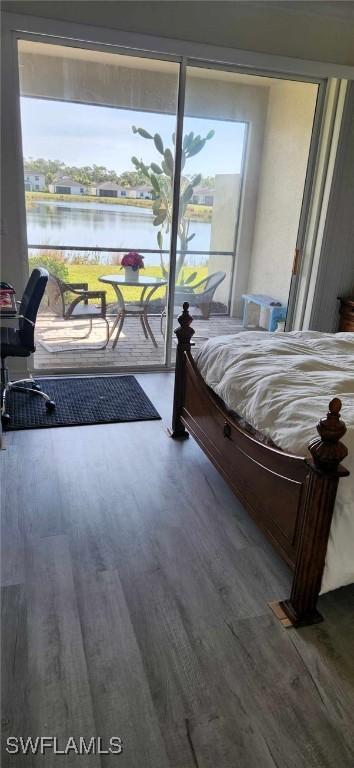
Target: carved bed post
[(184, 334), (325, 471)]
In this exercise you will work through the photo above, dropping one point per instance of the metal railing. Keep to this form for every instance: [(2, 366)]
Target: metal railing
[(100, 249), (120, 250)]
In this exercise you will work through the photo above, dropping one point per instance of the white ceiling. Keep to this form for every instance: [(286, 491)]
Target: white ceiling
[(322, 31)]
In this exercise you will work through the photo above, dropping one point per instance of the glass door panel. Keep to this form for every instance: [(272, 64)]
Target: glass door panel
[(246, 142), (93, 126)]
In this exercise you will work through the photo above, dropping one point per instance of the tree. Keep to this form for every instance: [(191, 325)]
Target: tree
[(160, 177), (131, 178)]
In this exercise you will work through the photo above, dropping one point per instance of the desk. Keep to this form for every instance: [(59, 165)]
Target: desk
[(277, 312), (8, 306), (139, 309)]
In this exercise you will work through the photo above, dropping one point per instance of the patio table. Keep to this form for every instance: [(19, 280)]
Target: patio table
[(139, 309)]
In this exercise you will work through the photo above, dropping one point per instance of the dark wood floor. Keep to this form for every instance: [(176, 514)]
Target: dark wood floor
[(135, 595)]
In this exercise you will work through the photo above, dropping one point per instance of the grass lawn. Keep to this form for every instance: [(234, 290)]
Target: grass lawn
[(89, 273)]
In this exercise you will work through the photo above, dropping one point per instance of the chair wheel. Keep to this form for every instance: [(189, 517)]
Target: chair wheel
[(5, 419), (50, 405)]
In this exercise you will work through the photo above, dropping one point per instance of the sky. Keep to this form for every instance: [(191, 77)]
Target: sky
[(80, 134)]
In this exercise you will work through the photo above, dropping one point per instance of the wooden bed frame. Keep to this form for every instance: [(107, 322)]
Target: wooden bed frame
[(290, 497)]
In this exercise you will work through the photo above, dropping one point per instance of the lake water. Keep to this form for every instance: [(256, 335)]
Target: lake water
[(101, 224)]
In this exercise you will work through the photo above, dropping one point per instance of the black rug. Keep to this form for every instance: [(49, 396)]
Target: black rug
[(81, 400)]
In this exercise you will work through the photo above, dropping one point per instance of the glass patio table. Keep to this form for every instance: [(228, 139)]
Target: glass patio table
[(139, 309)]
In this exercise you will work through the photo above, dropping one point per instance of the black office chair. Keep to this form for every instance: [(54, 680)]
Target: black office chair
[(19, 342)]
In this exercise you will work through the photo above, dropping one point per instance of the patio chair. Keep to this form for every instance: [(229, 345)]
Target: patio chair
[(199, 295), (71, 302)]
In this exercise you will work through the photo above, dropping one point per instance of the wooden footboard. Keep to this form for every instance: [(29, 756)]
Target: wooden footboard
[(290, 497)]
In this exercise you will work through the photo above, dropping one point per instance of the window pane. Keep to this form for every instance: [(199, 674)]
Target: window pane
[(88, 125)]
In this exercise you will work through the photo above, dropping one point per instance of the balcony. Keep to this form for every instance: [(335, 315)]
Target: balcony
[(66, 344)]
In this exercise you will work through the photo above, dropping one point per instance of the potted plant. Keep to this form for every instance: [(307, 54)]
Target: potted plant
[(132, 262)]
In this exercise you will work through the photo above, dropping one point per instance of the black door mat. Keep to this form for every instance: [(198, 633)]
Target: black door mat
[(81, 400)]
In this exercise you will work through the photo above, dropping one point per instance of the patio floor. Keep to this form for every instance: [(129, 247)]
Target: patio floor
[(58, 345)]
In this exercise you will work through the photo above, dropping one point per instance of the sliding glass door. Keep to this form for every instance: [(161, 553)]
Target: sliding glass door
[(246, 144), (96, 128), (100, 132)]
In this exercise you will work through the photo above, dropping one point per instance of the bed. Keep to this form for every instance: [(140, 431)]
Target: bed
[(251, 401)]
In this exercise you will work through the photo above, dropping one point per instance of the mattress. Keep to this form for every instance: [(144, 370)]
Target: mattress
[(281, 384)]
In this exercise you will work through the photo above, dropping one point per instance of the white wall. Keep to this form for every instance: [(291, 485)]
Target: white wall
[(288, 129), (225, 209)]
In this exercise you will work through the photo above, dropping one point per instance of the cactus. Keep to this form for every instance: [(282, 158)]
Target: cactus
[(160, 176)]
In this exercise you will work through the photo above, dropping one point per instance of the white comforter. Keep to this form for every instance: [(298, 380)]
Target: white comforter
[(281, 383)]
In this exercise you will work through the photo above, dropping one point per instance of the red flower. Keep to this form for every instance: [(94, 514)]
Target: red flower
[(133, 259)]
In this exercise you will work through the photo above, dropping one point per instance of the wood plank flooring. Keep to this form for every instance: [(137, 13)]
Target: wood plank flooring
[(134, 600), (132, 350)]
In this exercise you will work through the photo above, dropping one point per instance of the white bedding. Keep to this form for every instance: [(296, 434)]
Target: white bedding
[(281, 383)]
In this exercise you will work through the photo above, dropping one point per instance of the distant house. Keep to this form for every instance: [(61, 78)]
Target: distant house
[(203, 196), (34, 181), (131, 192), (64, 185), (142, 192), (111, 189), (108, 189)]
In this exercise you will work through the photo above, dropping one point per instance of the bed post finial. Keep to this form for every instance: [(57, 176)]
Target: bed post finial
[(185, 332), (327, 450), (184, 335), (325, 471)]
